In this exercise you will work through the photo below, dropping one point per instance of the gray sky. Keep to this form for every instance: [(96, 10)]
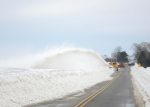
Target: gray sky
[(102, 25)]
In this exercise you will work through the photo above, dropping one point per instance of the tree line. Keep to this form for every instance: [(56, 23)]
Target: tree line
[(142, 53), (118, 56)]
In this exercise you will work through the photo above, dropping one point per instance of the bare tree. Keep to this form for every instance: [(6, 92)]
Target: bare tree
[(119, 55), (114, 55)]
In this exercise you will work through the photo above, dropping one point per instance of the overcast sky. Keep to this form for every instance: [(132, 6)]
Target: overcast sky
[(102, 25)]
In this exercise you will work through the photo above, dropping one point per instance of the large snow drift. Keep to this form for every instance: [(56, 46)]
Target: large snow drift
[(141, 77), (53, 76)]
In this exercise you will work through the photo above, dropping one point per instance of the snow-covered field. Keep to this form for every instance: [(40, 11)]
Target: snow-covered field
[(51, 76), (141, 77)]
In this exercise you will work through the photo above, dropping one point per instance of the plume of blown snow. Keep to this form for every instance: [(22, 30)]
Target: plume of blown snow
[(71, 59), (52, 75)]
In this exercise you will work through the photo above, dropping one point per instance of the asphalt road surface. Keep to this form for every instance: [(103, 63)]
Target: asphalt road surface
[(118, 94), (115, 93)]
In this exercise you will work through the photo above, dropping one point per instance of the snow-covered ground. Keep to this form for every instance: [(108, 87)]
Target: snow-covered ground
[(51, 76), (141, 78)]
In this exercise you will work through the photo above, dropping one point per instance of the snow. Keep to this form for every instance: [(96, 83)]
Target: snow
[(141, 76), (52, 76)]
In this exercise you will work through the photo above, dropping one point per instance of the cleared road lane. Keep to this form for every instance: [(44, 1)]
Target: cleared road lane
[(118, 94)]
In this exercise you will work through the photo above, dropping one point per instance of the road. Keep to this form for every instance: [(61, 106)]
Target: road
[(115, 93), (118, 94)]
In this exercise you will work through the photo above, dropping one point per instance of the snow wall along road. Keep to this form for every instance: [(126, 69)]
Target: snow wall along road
[(52, 77)]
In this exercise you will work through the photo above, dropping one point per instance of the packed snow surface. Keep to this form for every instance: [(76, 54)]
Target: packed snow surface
[(141, 77), (52, 76)]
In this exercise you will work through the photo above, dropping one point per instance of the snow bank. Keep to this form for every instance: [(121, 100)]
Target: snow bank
[(52, 76), (141, 76)]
